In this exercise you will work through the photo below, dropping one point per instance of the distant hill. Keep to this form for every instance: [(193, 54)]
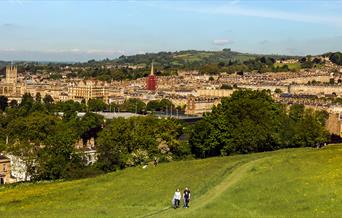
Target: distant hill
[(187, 58), (3, 64), (301, 182), (335, 57), (3, 67)]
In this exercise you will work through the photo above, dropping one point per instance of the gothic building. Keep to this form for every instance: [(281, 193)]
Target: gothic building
[(9, 86)]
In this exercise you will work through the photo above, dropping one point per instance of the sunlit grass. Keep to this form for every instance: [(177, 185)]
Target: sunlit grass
[(287, 183), (292, 66)]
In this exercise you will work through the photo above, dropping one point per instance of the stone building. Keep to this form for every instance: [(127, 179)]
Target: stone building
[(200, 105), (316, 89), (334, 124), (9, 86), (5, 170), (88, 89)]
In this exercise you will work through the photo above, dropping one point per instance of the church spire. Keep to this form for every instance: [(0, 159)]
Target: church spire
[(152, 70)]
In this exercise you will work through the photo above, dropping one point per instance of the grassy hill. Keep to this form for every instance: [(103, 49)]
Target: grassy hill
[(187, 58), (301, 182)]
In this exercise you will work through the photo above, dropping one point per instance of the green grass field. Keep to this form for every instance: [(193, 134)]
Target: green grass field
[(292, 66), (300, 182), (194, 57)]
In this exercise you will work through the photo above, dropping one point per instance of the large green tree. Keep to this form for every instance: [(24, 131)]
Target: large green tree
[(45, 144), (90, 125), (126, 142), (250, 121), (133, 105), (3, 103), (96, 105), (247, 121)]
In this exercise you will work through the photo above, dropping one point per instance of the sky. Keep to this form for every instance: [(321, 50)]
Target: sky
[(76, 30)]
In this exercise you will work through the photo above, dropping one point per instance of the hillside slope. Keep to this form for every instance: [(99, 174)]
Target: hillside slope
[(294, 182), (186, 58)]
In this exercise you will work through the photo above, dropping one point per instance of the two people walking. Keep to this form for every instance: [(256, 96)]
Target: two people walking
[(178, 196)]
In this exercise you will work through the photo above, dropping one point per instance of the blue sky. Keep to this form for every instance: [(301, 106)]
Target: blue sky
[(81, 30)]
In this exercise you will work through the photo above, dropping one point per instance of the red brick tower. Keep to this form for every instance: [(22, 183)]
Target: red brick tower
[(151, 83)]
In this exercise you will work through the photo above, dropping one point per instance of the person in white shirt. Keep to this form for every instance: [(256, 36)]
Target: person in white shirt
[(176, 198)]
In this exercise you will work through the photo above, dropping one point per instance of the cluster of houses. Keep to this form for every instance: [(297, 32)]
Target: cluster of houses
[(198, 93)]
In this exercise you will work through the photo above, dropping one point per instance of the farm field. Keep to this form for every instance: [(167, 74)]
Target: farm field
[(301, 182), (292, 66)]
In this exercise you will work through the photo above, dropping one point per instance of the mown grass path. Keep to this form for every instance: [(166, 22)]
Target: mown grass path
[(234, 177)]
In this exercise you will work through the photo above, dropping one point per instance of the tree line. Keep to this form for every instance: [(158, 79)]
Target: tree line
[(247, 121)]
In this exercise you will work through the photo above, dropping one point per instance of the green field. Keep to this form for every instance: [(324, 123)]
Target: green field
[(302, 182), (292, 66), (193, 57)]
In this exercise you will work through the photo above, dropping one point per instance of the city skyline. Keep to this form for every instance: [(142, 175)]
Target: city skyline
[(83, 30)]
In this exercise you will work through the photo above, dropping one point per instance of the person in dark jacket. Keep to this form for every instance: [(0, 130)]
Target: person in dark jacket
[(186, 197)]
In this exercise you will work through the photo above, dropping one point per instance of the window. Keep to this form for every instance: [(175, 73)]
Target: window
[(4, 167)]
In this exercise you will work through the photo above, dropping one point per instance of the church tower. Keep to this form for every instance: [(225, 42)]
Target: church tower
[(11, 74), (151, 83)]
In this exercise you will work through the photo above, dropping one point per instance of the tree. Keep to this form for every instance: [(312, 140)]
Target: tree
[(278, 91), (153, 105), (309, 131), (96, 105), (162, 105), (166, 105), (69, 108), (226, 86), (296, 112), (202, 142), (331, 81), (26, 104), (3, 102), (45, 144), (136, 140), (48, 99), (247, 121), (89, 126), (250, 121), (27, 136), (38, 97), (58, 158), (13, 103), (134, 105), (113, 147)]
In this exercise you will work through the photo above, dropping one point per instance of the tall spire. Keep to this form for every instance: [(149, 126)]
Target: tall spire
[(152, 70)]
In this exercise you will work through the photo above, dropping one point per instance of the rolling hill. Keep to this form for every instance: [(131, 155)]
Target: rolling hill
[(188, 58), (302, 182)]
